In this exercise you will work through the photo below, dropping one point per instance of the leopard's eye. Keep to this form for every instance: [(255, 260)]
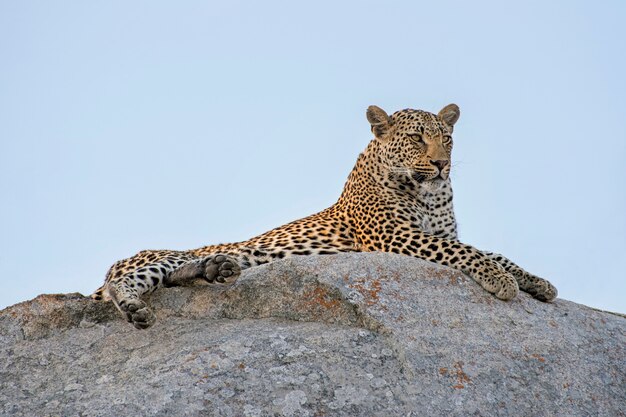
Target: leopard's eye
[(447, 140), (416, 137)]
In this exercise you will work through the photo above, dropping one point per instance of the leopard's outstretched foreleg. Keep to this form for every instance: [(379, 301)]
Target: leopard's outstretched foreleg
[(488, 273), (539, 288)]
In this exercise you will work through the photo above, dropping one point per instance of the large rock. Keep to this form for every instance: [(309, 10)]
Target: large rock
[(353, 334)]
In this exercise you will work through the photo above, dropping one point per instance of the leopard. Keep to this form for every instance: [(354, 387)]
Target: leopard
[(397, 199)]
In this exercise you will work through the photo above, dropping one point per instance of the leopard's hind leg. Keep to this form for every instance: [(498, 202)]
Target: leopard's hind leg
[(147, 271)]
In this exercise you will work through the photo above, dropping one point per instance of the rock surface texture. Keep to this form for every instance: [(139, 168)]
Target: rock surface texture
[(348, 335)]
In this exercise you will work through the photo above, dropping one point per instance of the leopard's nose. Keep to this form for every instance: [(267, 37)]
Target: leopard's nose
[(440, 163)]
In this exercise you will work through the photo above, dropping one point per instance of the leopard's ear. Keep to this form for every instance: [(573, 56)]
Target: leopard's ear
[(380, 121), (450, 115)]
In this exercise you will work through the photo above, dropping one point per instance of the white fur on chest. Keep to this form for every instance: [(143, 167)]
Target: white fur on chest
[(435, 212)]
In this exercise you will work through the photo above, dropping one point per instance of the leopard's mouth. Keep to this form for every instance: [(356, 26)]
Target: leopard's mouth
[(443, 175), (423, 177)]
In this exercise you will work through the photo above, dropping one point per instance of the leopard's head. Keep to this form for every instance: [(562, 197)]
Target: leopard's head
[(416, 143)]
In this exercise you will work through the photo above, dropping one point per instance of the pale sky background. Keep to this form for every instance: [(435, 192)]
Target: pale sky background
[(152, 124)]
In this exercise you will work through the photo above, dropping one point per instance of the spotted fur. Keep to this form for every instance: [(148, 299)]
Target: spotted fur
[(398, 198)]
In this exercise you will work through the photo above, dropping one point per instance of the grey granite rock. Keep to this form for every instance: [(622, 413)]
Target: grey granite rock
[(352, 334)]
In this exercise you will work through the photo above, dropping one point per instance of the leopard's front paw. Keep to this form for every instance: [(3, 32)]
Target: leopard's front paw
[(138, 313), (508, 288), (540, 288), (221, 269), (493, 278)]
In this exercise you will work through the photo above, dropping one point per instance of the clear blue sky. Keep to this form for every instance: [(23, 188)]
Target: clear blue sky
[(152, 124)]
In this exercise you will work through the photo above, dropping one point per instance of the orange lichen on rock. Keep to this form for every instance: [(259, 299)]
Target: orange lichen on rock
[(321, 297), (461, 378), (538, 357), (368, 289)]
